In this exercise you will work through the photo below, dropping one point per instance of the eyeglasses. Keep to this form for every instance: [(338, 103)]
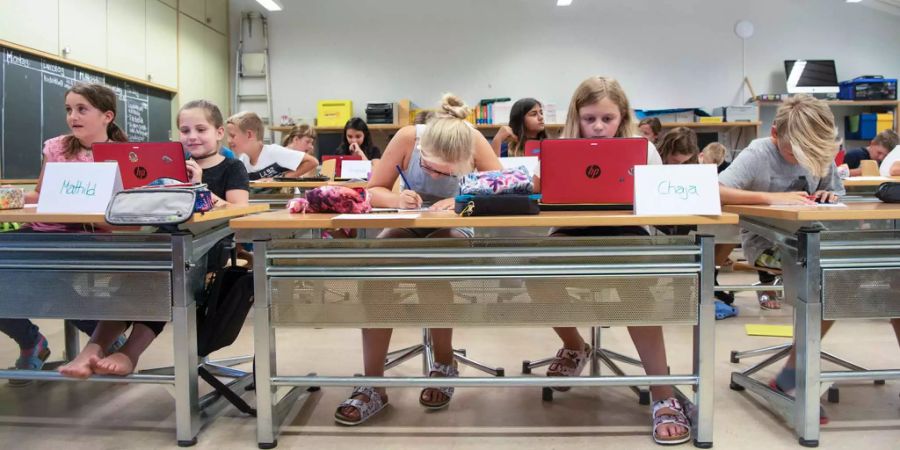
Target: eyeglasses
[(434, 171)]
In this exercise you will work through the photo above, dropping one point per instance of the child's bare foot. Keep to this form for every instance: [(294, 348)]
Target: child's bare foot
[(116, 364), (81, 366)]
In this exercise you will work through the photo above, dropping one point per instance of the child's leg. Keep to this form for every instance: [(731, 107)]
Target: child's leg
[(651, 347), (125, 359), (104, 335), (723, 251), (375, 342), (571, 338), (23, 331)]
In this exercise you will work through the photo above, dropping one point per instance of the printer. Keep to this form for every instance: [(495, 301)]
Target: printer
[(381, 113)]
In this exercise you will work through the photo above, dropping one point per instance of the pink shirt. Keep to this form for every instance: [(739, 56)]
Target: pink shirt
[(54, 152)]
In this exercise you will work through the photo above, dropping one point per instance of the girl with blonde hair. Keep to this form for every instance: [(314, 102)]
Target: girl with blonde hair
[(432, 157)]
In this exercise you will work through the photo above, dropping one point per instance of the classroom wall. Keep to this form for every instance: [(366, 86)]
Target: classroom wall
[(666, 54)]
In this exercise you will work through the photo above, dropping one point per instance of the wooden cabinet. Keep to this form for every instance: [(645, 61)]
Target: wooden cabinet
[(172, 3), (127, 43), (195, 9), (22, 21), (162, 44), (217, 15), (82, 28), (216, 68)]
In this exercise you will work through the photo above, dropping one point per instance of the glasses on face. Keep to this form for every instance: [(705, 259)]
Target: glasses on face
[(433, 170)]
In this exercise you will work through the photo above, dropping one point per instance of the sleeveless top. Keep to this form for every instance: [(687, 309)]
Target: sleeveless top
[(431, 189)]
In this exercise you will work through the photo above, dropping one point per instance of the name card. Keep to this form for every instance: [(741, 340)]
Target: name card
[(356, 169), (513, 162), (79, 188), (676, 190)]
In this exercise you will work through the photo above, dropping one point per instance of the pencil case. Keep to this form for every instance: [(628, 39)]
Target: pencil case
[(497, 205), (888, 192), (12, 198)]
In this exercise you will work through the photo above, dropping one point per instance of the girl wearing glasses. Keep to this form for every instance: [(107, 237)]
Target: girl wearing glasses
[(432, 156)]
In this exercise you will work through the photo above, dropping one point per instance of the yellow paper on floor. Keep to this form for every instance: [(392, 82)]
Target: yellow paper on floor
[(769, 330)]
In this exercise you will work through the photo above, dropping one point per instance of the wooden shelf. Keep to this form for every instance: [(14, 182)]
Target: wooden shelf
[(393, 128), (893, 103), (710, 125)]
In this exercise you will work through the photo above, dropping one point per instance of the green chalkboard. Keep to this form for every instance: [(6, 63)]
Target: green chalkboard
[(32, 91)]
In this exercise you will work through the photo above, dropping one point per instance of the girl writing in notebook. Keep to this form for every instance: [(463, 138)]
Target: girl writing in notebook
[(526, 121), (599, 109), (90, 116), (432, 157), (201, 129)]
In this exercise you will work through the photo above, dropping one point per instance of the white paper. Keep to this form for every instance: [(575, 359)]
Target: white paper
[(79, 188), (676, 190), (888, 161), (885, 179), (512, 162), (500, 112), (376, 216), (356, 169)]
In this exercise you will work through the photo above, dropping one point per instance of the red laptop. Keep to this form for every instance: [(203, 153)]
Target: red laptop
[(338, 159), (532, 147), (590, 173), (142, 162)]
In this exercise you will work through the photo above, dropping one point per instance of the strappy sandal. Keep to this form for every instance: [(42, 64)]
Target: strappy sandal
[(764, 298), (366, 409), (568, 363), (677, 417), (449, 371), (32, 359)]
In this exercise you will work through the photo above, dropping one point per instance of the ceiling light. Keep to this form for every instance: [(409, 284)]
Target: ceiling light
[(271, 5), (853, 1), (563, 2)]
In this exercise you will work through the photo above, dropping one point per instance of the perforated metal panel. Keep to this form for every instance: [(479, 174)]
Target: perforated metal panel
[(595, 300), (861, 293), (134, 295)]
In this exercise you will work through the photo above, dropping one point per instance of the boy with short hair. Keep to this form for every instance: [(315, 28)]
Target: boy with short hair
[(264, 161)]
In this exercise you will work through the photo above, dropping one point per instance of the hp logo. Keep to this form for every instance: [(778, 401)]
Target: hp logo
[(592, 171)]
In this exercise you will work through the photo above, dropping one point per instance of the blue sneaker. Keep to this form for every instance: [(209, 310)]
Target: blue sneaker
[(724, 310), (32, 359)]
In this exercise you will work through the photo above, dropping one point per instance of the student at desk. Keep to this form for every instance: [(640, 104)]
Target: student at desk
[(90, 114), (599, 109), (526, 121), (301, 138), (357, 141), (771, 171), (877, 150), (432, 157), (263, 162), (201, 129)]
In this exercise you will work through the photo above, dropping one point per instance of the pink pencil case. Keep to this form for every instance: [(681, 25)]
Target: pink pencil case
[(12, 198)]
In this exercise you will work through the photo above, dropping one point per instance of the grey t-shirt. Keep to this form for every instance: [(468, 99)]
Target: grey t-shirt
[(761, 168)]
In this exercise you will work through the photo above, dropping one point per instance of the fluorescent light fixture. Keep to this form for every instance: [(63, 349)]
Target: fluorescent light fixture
[(271, 5), (853, 1), (563, 2)]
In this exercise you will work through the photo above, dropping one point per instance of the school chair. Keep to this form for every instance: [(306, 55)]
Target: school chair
[(328, 168), (869, 168)]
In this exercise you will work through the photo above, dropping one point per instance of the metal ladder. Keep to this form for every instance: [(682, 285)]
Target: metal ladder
[(253, 82)]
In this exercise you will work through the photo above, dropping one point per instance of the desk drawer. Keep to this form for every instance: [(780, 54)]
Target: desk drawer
[(540, 301), (61, 294), (861, 293)]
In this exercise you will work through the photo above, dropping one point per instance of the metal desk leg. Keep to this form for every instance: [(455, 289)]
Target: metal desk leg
[(72, 342), (264, 346), (184, 326), (808, 336), (704, 346)]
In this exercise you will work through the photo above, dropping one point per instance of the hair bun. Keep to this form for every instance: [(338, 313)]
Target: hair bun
[(454, 106)]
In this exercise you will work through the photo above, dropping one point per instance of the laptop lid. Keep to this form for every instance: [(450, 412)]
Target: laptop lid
[(142, 162), (338, 159), (590, 171), (532, 147)]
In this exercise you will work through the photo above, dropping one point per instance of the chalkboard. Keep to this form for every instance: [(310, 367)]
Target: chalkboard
[(32, 97)]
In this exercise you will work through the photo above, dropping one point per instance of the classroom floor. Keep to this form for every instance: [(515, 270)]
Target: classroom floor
[(111, 416)]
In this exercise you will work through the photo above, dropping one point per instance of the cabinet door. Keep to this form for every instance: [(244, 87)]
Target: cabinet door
[(162, 44), (217, 15), (19, 21), (194, 8), (172, 3), (191, 60), (127, 42), (81, 29), (216, 68)]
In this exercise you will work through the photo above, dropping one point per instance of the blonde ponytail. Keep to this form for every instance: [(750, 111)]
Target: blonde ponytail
[(448, 137)]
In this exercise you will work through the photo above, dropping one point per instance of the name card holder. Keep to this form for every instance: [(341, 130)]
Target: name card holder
[(78, 188), (670, 190)]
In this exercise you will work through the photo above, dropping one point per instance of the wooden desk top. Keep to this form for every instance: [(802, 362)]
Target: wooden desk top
[(868, 181), (283, 220), (853, 211), (306, 184), (31, 215)]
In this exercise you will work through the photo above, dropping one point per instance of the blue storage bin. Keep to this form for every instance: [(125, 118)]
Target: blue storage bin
[(860, 126)]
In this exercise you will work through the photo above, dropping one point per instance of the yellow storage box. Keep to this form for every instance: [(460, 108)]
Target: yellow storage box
[(884, 122), (334, 113)]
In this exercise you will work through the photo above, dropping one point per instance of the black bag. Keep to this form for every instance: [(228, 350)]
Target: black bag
[(497, 205), (888, 192), (221, 311)]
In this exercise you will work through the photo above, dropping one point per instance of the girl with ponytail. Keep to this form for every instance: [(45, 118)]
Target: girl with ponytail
[(432, 156)]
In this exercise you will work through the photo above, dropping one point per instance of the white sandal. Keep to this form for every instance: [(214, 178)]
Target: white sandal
[(568, 363), (449, 371), (366, 409), (678, 418)]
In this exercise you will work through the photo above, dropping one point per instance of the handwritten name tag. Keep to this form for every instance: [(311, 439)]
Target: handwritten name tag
[(676, 190), (84, 188)]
